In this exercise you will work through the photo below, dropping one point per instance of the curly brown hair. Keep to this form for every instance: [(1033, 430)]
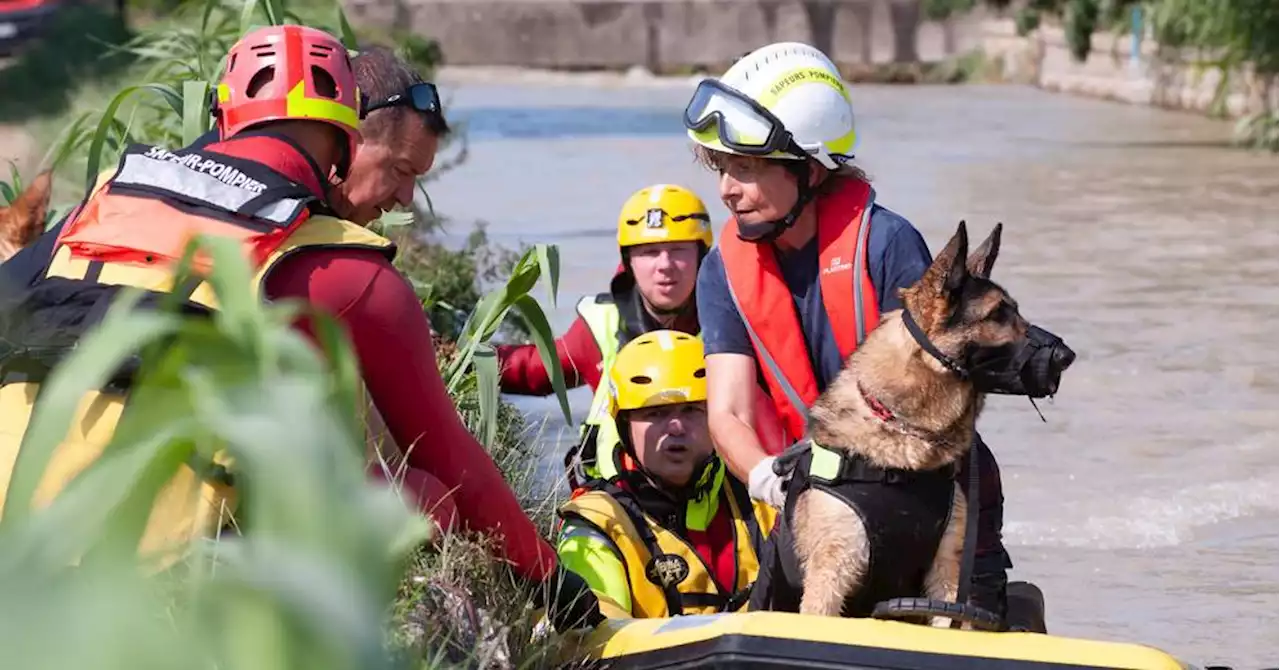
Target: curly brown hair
[(714, 160)]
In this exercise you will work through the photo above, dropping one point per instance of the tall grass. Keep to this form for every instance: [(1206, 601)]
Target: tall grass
[(308, 583), (331, 569)]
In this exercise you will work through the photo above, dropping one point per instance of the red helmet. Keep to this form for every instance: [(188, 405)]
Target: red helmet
[(289, 72)]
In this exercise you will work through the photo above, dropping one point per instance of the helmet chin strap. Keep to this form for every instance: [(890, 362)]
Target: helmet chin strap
[(768, 231)]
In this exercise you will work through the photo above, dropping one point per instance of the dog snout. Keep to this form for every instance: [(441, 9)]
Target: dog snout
[(1063, 356)]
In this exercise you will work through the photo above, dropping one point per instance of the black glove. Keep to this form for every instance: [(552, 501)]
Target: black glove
[(570, 602)]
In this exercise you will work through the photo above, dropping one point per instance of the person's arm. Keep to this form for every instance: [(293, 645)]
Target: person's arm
[(731, 371), (585, 551), (392, 341), (990, 560), (524, 374), (731, 383)]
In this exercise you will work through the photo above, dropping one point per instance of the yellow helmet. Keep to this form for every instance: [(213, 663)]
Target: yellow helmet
[(663, 213), (661, 367)]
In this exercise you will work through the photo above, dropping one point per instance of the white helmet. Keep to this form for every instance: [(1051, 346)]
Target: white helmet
[(785, 100)]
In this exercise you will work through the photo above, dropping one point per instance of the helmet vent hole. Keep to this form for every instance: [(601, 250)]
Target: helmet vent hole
[(641, 379), (260, 79), (231, 65), (700, 373), (325, 85)]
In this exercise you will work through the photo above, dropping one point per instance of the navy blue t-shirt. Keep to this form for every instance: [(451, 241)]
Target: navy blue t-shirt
[(897, 257)]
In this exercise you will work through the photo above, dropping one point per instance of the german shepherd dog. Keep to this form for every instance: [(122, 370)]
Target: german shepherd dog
[(23, 220), (908, 400)]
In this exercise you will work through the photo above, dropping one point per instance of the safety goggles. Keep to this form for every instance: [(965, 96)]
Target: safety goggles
[(742, 124), (423, 97), (654, 218)]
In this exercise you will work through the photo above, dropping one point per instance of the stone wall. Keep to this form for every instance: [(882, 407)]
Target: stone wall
[(1159, 77), (661, 35)]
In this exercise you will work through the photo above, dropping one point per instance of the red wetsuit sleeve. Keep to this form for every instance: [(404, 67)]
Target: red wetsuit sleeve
[(392, 340), (524, 374)]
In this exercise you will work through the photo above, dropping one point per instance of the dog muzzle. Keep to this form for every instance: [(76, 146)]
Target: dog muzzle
[(1031, 368)]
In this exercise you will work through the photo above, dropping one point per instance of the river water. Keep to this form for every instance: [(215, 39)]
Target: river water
[(1146, 506)]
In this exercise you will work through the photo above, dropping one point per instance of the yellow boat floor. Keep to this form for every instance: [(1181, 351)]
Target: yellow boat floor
[(786, 640)]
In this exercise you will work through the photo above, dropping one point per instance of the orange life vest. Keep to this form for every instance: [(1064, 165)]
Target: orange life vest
[(769, 312), (158, 200)]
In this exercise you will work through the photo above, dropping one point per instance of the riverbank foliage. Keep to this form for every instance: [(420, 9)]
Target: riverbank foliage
[(1230, 36), (445, 603)]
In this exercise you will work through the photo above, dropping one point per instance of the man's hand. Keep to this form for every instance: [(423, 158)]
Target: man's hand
[(570, 602), (766, 485)]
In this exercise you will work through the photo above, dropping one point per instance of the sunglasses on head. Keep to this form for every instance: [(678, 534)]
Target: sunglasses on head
[(422, 97)]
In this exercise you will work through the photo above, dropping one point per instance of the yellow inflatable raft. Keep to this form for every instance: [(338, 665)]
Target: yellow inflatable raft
[(768, 640)]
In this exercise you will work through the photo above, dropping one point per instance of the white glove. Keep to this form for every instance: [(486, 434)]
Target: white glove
[(765, 485)]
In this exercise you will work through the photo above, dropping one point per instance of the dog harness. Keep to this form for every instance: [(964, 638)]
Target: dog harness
[(904, 512)]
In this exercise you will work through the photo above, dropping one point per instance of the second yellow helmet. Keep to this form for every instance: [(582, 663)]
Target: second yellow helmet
[(663, 213), (661, 367)]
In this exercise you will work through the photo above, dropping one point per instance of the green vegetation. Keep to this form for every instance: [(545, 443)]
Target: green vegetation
[(313, 581), (331, 571), (1230, 36), (306, 586)]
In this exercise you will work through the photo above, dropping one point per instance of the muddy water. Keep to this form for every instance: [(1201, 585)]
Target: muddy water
[(1146, 506)]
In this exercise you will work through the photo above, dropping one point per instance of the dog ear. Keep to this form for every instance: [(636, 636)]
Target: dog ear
[(947, 273), (24, 220), (980, 262)]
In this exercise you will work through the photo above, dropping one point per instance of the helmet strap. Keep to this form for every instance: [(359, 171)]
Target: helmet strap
[(768, 231)]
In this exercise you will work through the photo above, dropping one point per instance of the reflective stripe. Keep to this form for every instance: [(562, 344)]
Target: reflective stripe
[(699, 511), (824, 463), (196, 178), (603, 320), (767, 359), (298, 105), (860, 262)]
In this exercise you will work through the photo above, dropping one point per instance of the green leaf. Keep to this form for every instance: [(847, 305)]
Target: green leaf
[(391, 220), (275, 11), (486, 367), (349, 39), (209, 7), (544, 338), (70, 140), (195, 110), (15, 178), (246, 15), (549, 265), (338, 351), (238, 314), (108, 119)]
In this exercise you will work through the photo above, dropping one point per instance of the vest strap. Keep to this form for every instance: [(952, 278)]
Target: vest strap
[(671, 592), (766, 358), (860, 262), (970, 547)]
